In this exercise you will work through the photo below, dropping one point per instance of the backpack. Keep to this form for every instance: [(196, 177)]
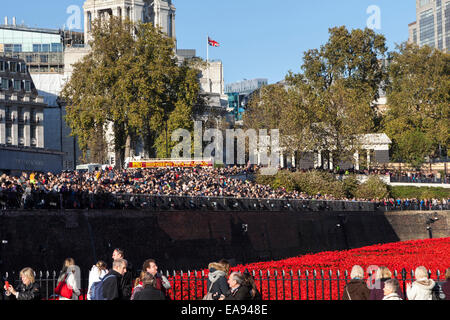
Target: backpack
[(97, 288)]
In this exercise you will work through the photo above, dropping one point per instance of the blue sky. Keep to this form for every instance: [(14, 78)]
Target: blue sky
[(259, 38)]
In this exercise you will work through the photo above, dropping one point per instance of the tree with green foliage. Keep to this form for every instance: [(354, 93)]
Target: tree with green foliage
[(419, 104), (330, 104), (131, 79)]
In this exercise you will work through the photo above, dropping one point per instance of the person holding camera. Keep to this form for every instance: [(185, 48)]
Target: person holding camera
[(28, 289)]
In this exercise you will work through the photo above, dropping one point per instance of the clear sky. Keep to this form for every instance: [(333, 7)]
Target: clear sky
[(258, 38)]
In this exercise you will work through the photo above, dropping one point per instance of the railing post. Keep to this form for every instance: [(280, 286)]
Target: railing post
[(331, 285), (323, 284), (276, 285), (338, 274), (189, 285), (284, 288), (261, 282), (299, 285), (181, 286), (315, 284), (404, 282), (307, 284)]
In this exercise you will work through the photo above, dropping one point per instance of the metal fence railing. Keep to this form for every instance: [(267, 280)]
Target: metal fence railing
[(419, 180), (72, 200), (276, 285)]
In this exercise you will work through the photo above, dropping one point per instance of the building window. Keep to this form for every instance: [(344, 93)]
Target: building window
[(89, 18), (17, 48), (427, 36), (9, 47), (45, 48), (2, 65), (56, 47), (44, 58), (27, 85), (13, 66), (23, 68), (36, 48), (33, 136), (17, 85), (8, 133), (5, 84), (21, 135)]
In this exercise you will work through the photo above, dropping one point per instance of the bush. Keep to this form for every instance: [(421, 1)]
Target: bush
[(350, 185), (373, 188)]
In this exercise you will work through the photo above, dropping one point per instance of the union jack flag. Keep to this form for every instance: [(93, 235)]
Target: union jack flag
[(213, 43)]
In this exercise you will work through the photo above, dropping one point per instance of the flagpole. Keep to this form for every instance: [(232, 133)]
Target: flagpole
[(207, 62)]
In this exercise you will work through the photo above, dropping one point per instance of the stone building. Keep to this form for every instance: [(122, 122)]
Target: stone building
[(22, 143)]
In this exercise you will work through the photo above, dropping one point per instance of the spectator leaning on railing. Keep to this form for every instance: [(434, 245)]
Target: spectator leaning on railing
[(77, 190)]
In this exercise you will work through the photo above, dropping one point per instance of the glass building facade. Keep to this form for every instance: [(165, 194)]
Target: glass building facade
[(41, 49), (433, 24)]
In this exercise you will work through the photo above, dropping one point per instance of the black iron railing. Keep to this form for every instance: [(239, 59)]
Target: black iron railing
[(80, 200), (273, 285)]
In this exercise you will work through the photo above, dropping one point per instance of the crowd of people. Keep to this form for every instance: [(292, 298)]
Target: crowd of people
[(118, 283), (387, 287), (79, 189)]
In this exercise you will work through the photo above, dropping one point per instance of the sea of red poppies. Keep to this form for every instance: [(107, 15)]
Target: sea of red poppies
[(323, 276)]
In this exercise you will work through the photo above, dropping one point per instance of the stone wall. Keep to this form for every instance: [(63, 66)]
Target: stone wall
[(190, 240)]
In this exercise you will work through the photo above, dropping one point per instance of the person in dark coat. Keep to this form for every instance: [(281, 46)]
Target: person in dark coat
[(28, 289), (112, 289), (126, 283), (217, 278), (149, 292), (446, 285), (377, 292), (239, 289), (356, 289), (250, 282)]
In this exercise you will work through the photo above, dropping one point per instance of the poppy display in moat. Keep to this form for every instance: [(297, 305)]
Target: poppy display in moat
[(324, 275)]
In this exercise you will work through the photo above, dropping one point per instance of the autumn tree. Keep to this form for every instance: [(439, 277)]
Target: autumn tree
[(419, 104), (330, 103), (132, 82)]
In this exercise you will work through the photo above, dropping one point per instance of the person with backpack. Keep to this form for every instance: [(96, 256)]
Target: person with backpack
[(109, 288), (96, 274)]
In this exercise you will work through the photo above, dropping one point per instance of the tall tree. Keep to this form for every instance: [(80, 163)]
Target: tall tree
[(336, 91), (131, 78), (419, 103)]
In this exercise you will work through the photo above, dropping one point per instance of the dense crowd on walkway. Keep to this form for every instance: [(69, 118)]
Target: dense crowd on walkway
[(118, 283), (79, 189)]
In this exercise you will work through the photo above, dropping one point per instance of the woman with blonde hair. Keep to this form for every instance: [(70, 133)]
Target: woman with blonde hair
[(422, 288), (381, 276), (97, 272), (217, 279), (28, 289), (138, 284)]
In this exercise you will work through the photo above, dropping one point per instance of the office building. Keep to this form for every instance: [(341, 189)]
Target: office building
[(432, 25)]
